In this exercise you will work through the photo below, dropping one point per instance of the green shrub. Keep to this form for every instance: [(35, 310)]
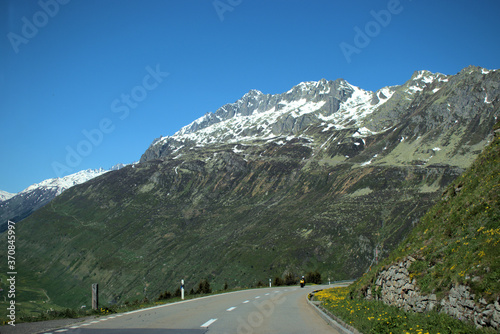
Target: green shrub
[(313, 277), (203, 287)]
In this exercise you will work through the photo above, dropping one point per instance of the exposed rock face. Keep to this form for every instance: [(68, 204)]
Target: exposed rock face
[(461, 304), (395, 287)]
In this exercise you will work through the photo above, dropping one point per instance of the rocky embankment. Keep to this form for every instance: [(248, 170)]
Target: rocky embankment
[(395, 286)]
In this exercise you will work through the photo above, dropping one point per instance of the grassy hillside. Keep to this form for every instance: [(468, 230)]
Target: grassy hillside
[(139, 230), (457, 241)]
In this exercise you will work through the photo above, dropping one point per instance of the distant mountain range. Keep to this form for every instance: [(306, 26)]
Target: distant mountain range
[(320, 177), (16, 207)]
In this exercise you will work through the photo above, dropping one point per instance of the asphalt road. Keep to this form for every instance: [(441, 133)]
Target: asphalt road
[(269, 310)]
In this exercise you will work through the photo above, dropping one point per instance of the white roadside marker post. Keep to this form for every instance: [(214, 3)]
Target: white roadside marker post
[(269, 282), (95, 296), (182, 289)]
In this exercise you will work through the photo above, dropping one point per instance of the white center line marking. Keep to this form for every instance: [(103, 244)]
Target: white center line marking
[(246, 301), (230, 309), (208, 323), (267, 294), (257, 297)]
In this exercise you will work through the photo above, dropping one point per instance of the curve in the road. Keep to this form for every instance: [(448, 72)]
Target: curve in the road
[(266, 310)]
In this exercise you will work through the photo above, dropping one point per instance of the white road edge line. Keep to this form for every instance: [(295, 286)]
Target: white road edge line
[(208, 323)]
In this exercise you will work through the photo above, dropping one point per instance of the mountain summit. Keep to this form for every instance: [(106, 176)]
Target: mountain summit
[(325, 106)]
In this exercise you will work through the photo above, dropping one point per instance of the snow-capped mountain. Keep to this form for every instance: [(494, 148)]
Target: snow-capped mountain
[(324, 106), (58, 185), (5, 195), (21, 205), (260, 116)]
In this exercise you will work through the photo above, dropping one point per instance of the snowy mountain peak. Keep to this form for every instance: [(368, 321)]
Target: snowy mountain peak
[(63, 183), (257, 115), (424, 79), (427, 76), (5, 195), (252, 93)]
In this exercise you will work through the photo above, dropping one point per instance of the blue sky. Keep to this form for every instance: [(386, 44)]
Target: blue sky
[(107, 77)]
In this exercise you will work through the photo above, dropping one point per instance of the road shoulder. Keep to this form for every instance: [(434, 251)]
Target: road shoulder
[(331, 319)]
